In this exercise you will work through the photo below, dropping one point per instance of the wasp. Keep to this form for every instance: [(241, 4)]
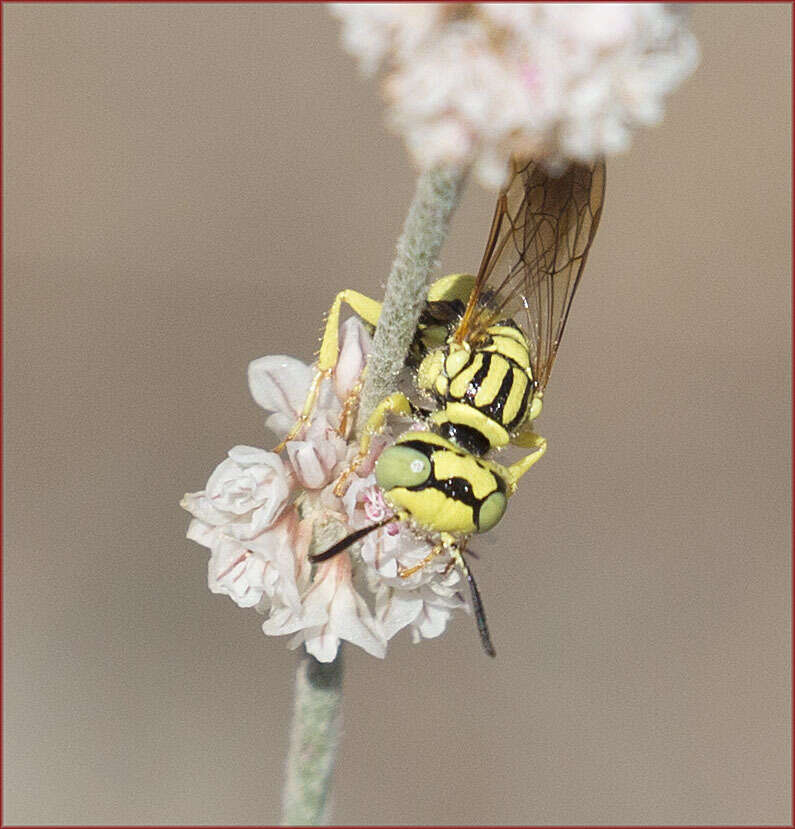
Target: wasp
[(483, 353)]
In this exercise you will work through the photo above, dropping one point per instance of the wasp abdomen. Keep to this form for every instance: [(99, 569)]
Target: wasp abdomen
[(485, 391)]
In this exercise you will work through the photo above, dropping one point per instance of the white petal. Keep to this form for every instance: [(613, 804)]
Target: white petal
[(282, 545), (354, 348), (432, 621), (349, 617), (351, 620), (321, 643), (228, 573), (310, 463), (280, 384), (198, 505), (253, 455), (201, 533), (351, 499), (395, 609), (284, 620), (250, 487)]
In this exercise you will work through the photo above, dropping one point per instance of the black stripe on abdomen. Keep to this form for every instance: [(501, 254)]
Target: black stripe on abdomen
[(477, 381)]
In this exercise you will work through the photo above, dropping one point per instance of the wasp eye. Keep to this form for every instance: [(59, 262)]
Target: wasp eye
[(491, 511), (401, 466)]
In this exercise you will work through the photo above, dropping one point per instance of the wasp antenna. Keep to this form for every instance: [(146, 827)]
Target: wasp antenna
[(346, 542), (477, 604)]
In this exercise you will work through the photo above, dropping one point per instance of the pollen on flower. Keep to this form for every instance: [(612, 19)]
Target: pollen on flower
[(261, 513), (375, 507), (476, 83)]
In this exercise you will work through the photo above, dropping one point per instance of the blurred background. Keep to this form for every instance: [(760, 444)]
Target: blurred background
[(186, 188)]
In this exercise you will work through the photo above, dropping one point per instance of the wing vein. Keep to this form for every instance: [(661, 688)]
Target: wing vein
[(541, 234)]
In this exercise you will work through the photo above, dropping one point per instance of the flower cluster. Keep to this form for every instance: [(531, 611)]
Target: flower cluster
[(260, 514), (477, 82)]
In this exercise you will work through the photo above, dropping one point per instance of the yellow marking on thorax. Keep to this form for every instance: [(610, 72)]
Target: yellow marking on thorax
[(448, 464), (450, 287), (430, 369)]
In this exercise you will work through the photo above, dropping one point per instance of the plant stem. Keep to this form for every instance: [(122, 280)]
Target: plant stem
[(314, 738), (424, 231)]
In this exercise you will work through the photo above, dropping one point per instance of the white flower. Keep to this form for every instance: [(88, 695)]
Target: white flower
[(426, 599), (260, 511), (273, 563), (279, 384), (342, 612), (316, 457), (475, 83), (354, 348), (245, 494)]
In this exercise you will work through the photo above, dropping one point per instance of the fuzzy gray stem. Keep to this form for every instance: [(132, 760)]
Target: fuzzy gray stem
[(314, 738), (424, 231), (318, 690)]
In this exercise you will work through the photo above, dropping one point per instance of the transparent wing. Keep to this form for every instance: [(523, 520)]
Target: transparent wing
[(540, 236)]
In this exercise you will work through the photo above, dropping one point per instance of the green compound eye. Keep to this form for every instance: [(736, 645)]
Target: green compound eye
[(401, 466), (492, 510)]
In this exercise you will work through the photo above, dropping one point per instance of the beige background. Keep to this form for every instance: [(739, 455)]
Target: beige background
[(186, 188)]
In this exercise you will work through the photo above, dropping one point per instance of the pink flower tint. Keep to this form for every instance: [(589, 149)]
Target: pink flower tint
[(354, 349), (315, 458), (531, 77), (375, 507), (274, 561)]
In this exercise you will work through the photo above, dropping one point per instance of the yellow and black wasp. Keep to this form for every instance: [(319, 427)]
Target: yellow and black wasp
[(483, 352)]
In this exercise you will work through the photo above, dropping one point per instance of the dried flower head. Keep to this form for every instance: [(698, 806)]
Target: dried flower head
[(475, 83), (261, 513)]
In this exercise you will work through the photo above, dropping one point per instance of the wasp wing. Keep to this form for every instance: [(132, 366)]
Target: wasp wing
[(540, 236)]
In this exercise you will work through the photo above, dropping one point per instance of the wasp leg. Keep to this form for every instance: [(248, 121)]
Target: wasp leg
[(369, 310), (448, 568), (436, 551), (527, 440), (306, 412), (396, 403), (349, 406)]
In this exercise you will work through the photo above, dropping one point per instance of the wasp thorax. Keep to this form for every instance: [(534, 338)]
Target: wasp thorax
[(401, 466), (431, 370)]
